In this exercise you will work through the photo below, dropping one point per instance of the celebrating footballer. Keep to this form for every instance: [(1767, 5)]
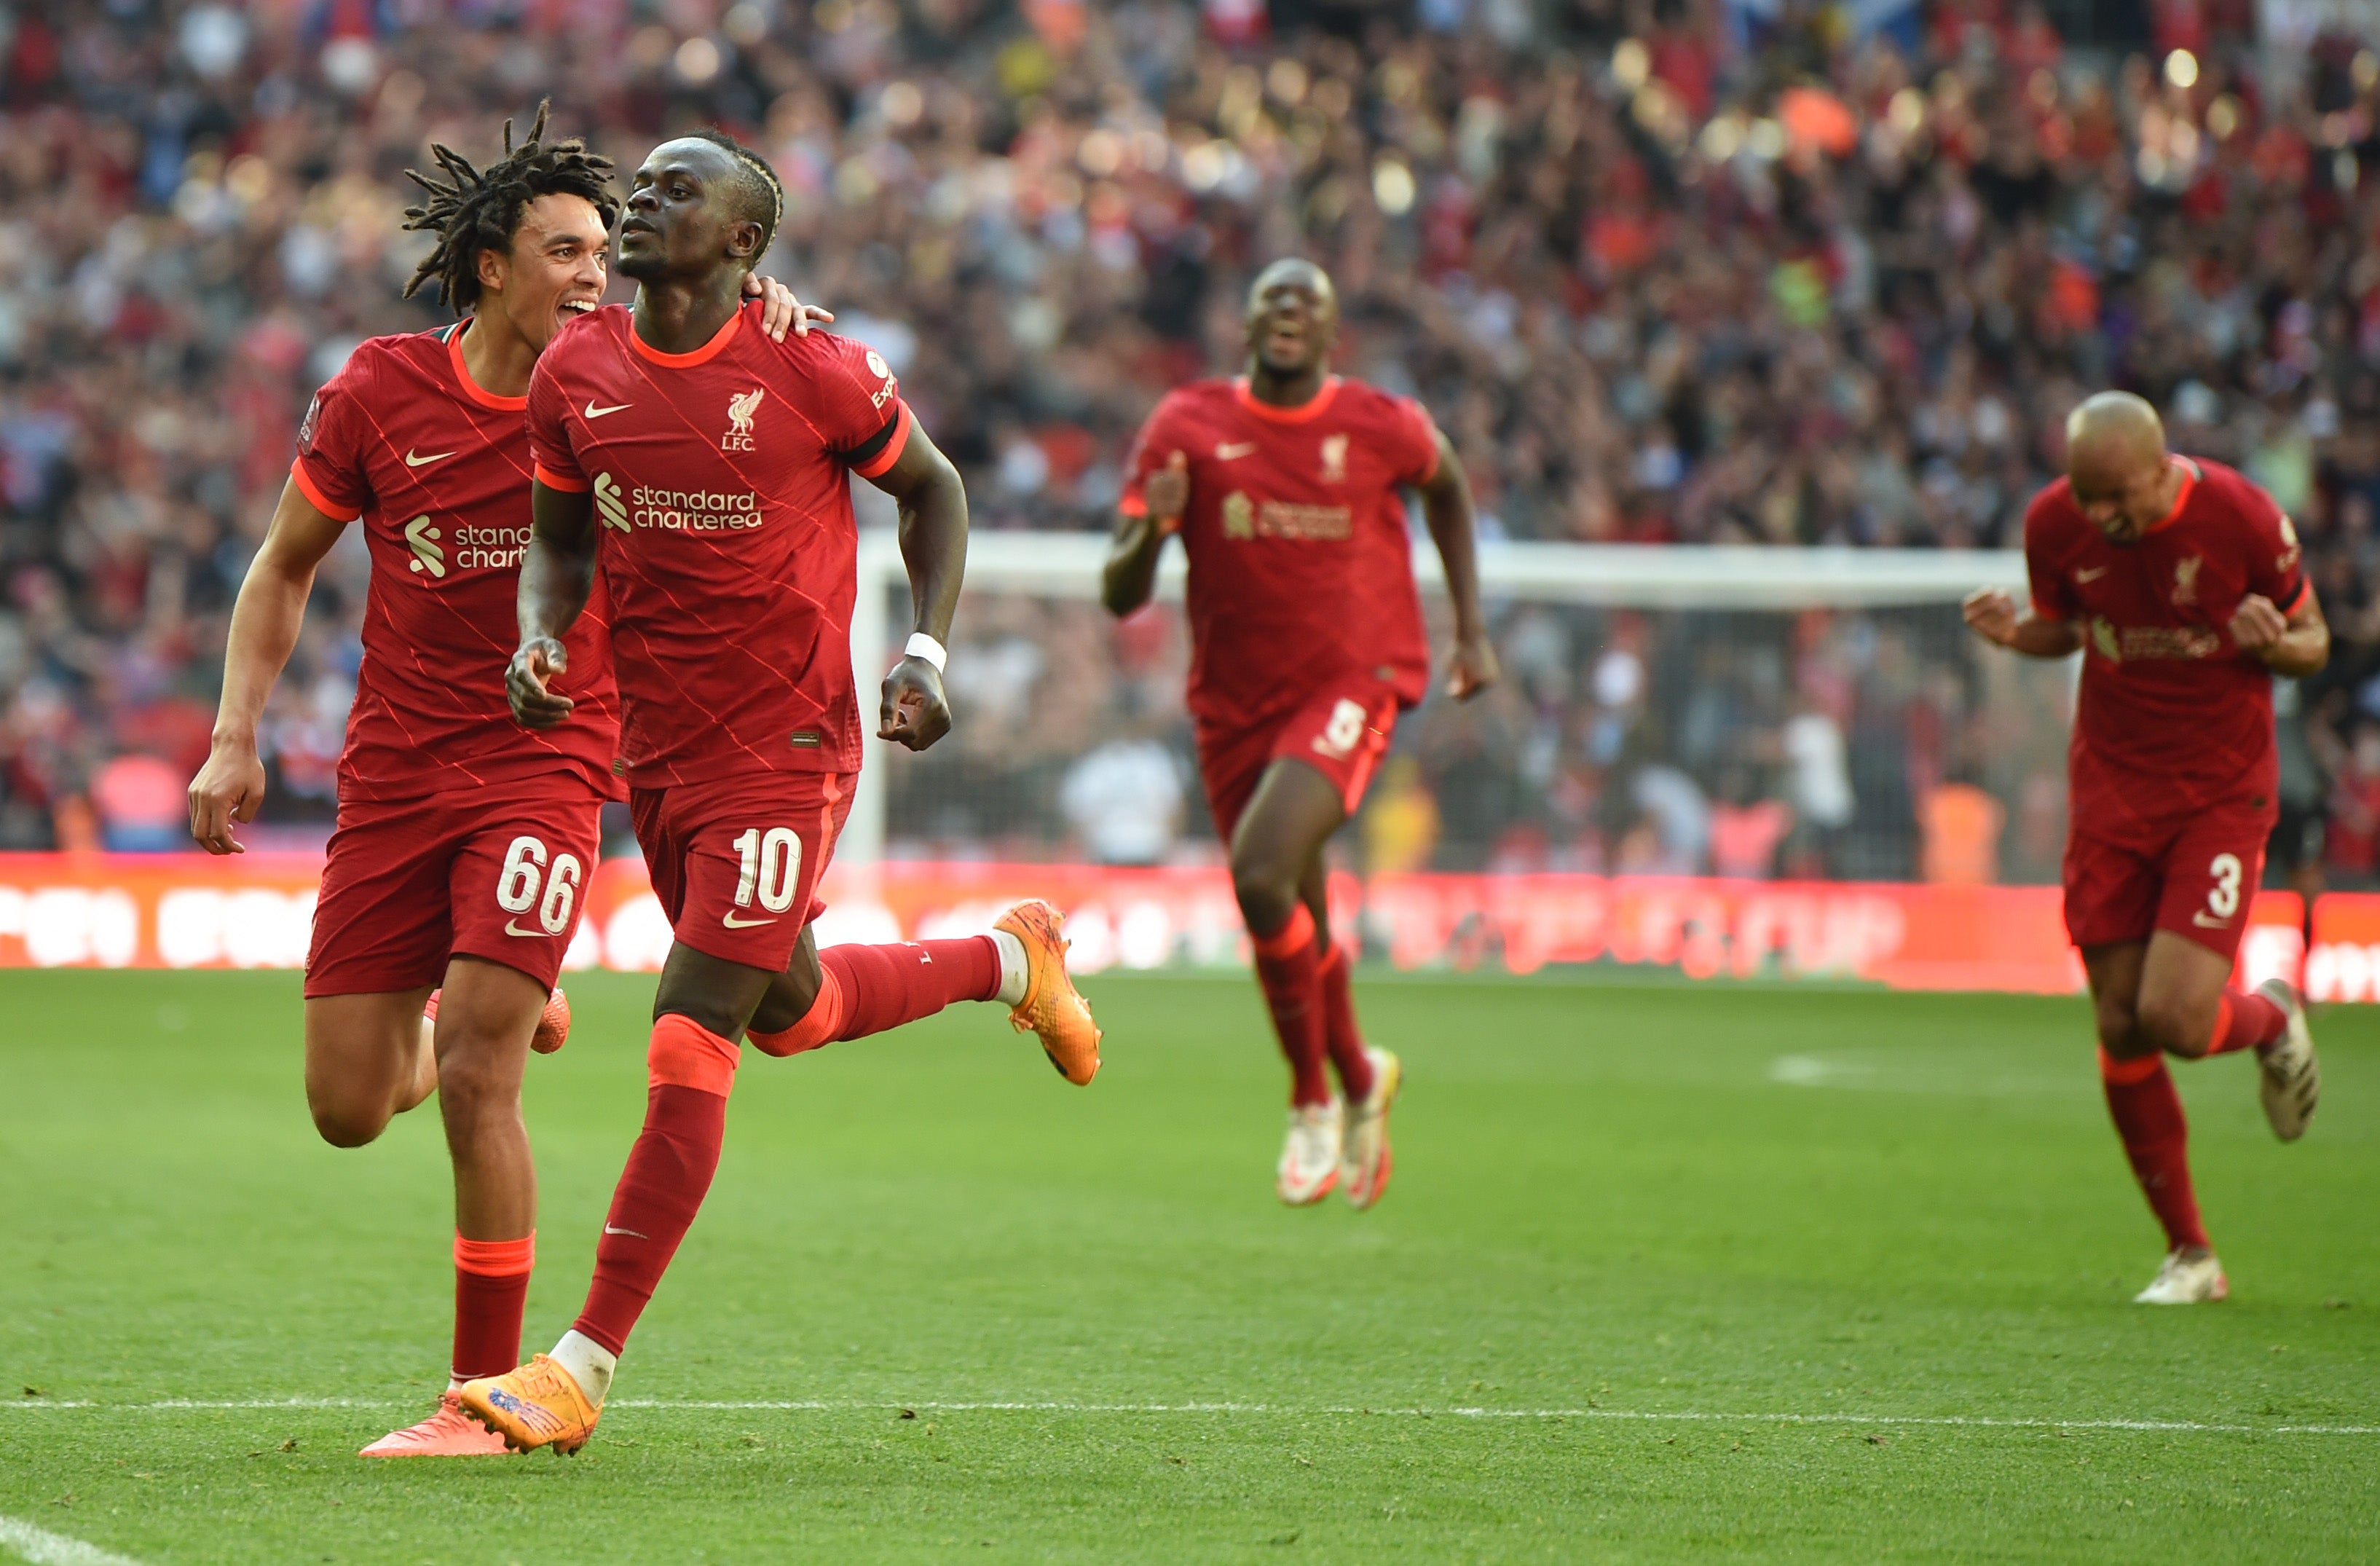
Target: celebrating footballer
[(1286, 487), (706, 466), (2178, 580), (452, 883)]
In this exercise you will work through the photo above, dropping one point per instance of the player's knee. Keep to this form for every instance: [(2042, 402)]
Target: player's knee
[(2170, 1025), (347, 1120), (470, 1080), (1265, 891), (2119, 1030)]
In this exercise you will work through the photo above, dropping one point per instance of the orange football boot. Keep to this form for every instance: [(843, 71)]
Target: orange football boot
[(447, 1433), (538, 1404), (1052, 1007), (552, 1023)]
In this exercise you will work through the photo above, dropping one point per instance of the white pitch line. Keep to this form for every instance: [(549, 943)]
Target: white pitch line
[(44, 1547), (792, 1406)]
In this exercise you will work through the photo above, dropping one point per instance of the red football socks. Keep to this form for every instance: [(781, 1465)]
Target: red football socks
[(668, 1174), (868, 990), (2148, 1117), (1345, 1039), (1289, 968), (2245, 1020), (491, 1287)]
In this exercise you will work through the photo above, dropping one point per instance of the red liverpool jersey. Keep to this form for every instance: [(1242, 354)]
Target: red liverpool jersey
[(2173, 716), (1300, 572), (439, 470), (722, 495)]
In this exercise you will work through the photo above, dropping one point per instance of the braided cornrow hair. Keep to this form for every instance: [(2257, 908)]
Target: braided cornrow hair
[(473, 211), (764, 196)]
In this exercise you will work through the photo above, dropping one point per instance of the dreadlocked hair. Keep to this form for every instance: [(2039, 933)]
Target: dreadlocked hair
[(470, 211), (763, 196)]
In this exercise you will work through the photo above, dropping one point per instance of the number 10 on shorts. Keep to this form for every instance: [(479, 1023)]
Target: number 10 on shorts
[(772, 864)]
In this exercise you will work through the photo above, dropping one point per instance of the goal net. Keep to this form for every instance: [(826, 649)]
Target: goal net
[(1748, 713)]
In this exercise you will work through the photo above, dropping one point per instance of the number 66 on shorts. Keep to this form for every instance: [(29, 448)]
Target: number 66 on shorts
[(486, 874)]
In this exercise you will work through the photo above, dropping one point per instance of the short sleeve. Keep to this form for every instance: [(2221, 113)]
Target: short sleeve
[(1164, 433), (2276, 564), (330, 468), (549, 434), (862, 418), (2053, 598), (1418, 443)]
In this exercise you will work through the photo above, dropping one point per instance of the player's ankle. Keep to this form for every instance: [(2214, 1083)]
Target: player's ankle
[(587, 1362), (1015, 976)]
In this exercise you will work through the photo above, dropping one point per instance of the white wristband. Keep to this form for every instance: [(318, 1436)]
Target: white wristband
[(920, 645)]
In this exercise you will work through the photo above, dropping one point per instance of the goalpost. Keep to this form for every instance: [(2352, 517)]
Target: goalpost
[(1733, 588)]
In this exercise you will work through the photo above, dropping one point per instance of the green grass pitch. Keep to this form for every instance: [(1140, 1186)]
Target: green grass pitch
[(1666, 1272)]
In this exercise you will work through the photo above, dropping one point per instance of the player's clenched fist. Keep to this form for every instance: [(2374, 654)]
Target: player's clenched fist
[(1167, 494), (227, 789), (535, 704), (1991, 614), (2258, 624), (915, 712)]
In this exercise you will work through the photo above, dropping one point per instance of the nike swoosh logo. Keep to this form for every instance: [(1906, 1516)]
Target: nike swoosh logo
[(415, 459), (1227, 452), (732, 922), (2090, 576), (631, 1233), (2203, 922), (512, 927), (594, 412)]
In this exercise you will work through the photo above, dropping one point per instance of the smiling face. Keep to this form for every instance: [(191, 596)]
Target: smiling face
[(1292, 318), (682, 219), (2117, 464), (552, 274)]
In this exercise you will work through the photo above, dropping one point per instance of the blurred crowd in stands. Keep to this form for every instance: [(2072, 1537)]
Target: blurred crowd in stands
[(1703, 271)]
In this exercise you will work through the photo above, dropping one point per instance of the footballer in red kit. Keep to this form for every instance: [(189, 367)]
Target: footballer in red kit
[(707, 467), (1287, 487), (2178, 581), (453, 881)]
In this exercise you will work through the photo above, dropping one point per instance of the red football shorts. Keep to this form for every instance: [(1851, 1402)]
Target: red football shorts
[(1342, 734), (2194, 876), (736, 863), (492, 873)]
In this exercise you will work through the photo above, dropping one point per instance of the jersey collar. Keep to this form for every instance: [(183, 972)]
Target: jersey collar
[(2190, 477), (703, 355), (1311, 408), (471, 388)]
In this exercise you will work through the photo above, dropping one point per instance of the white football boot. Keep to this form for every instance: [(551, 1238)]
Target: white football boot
[(2186, 1279), (1369, 1160), (1310, 1159), (2290, 1077)]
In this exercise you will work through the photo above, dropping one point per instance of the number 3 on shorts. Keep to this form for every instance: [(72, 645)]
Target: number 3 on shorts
[(525, 870), (2223, 897), (772, 863)]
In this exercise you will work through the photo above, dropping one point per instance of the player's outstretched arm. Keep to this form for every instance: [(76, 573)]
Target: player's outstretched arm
[(915, 712), (1992, 615), (1130, 574), (1446, 506), (264, 625), (557, 574), (2293, 645)]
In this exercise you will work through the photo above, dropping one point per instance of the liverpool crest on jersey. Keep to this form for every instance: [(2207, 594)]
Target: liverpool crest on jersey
[(740, 409)]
